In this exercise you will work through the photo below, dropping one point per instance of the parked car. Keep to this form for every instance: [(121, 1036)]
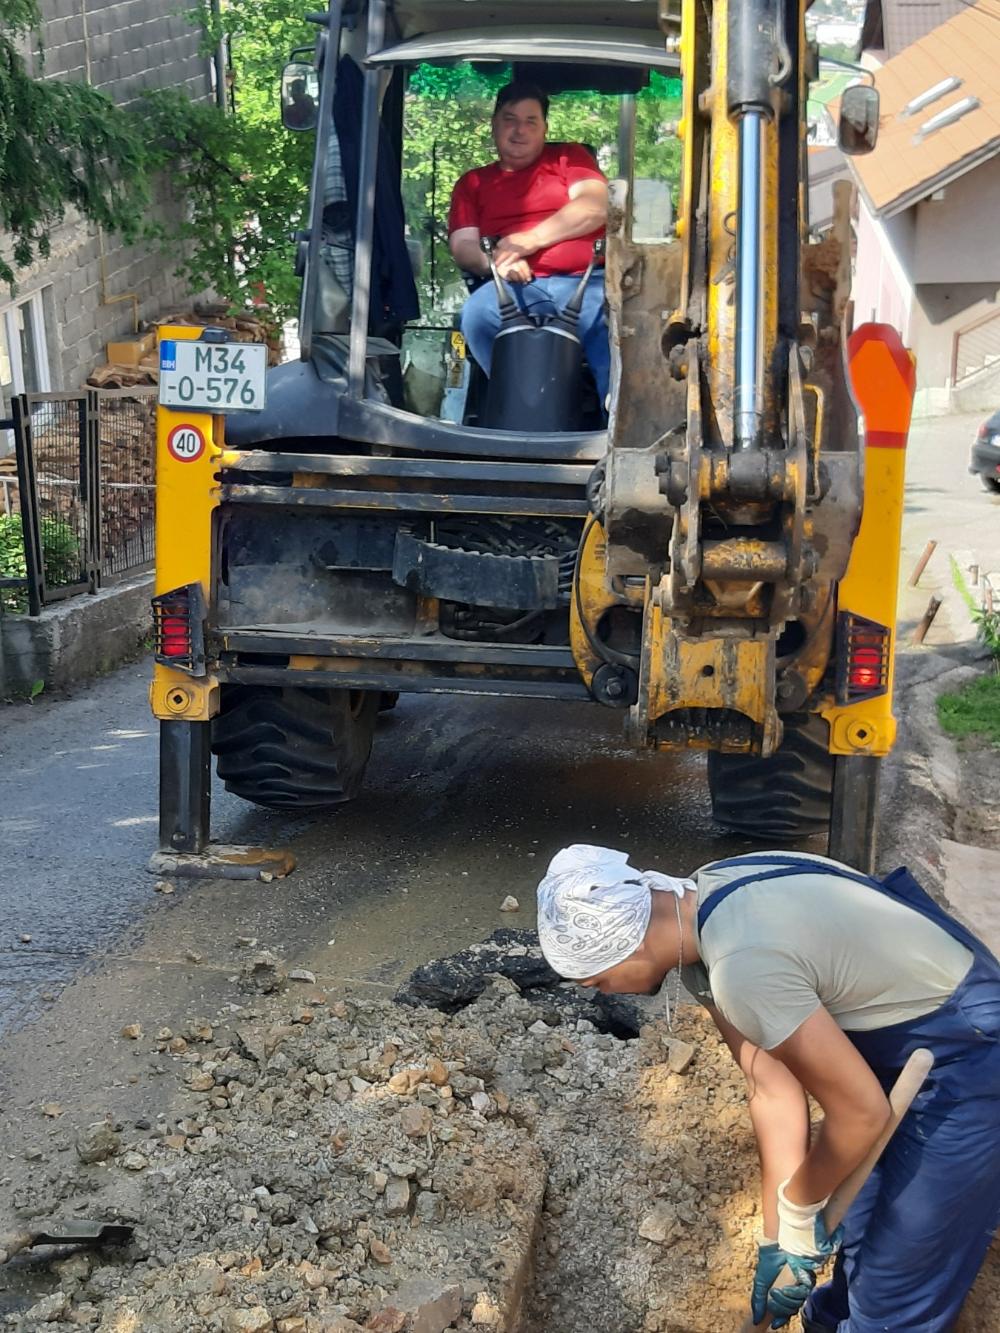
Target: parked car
[(985, 458)]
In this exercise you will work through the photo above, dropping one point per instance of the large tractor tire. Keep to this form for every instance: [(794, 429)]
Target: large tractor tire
[(294, 748), (786, 796)]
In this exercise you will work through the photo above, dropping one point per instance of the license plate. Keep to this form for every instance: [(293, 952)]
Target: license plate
[(212, 377)]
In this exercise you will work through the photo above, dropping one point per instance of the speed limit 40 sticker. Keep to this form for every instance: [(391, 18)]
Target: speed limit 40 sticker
[(186, 443)]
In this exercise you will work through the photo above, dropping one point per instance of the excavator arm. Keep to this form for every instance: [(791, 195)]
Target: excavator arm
[(734, 485)]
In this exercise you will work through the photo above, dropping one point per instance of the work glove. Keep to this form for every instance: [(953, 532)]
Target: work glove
[(781, 1303), (801, 1229)]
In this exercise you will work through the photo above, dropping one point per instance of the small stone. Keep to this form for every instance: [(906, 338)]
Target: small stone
[(48, 1309), (97, 1142), (379, 1181), (679, 1055), (164, 1034), (175, 1141), (358, 1084), (246, 941), (177, 1045), (660, 1225), (481, 1102), (302, 1015), (25, 939), (397, 1197), (485, 1311), (133, 1031), (400, 1083), (254, 1320), (134, 1161), (432, 1303), (389, 1320), (510, 904), (194, 957), (52, 1109), (302, 974), (201, 1082), (436, 1073), (293, 1324), (163, 886), (415, 1121), (379, 1251), (262, 972), (429, 1207)]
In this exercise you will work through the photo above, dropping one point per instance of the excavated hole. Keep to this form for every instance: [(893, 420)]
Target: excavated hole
[(451, 984)]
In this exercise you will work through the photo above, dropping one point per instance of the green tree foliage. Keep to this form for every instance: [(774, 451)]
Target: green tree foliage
[(62, 145), (244, 178)]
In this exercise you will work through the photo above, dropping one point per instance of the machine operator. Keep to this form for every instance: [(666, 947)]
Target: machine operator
[(822, 980), (548, 203)]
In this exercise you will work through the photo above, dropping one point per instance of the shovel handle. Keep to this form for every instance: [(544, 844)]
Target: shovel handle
[(906, 1087)]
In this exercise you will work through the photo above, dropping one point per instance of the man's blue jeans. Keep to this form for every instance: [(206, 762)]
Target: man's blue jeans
[(543, 296)]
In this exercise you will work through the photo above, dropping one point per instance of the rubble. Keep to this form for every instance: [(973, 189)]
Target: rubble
[(393, 1169)]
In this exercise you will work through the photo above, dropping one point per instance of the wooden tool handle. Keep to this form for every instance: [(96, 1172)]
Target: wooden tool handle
[(906, 1087)]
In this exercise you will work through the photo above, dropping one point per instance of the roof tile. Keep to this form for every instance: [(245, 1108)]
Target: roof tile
[(966, 47)]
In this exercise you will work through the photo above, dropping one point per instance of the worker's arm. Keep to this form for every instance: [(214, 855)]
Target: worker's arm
[(779, 1114), (855, 1108), (464, 247), (586, 211)]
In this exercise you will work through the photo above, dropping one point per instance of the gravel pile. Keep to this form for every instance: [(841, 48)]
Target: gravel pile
[(347, 1164)]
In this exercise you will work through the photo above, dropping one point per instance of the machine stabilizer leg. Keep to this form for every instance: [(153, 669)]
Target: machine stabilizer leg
[(185, 810), (854, 811)]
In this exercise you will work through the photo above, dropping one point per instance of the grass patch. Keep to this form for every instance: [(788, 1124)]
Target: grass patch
[(974, 710)]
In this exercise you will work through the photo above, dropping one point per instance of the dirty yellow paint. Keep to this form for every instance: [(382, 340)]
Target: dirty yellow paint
[(186, 497)]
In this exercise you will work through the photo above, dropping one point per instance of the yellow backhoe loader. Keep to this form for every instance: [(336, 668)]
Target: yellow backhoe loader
[(717, 558)]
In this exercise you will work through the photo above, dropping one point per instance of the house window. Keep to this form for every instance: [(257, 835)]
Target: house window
[(24, 361)]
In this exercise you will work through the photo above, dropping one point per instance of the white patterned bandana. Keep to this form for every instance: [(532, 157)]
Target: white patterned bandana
[(594, 908)]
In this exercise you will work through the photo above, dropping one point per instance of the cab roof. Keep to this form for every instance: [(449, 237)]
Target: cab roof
[(418, 17)]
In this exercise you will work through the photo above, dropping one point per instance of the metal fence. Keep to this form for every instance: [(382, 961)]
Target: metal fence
[(77, 511)]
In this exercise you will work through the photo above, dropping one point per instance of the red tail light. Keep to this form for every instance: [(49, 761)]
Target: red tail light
[(179, 629), (863, 658), (982, 432)]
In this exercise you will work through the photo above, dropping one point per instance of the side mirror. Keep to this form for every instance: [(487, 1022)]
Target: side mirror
[(858, 128), (299, 96)]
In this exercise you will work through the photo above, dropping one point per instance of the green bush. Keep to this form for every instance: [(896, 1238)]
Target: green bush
[(60, 552)]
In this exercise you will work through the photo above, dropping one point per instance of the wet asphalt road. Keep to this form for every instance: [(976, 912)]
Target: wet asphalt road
[(464, 802)]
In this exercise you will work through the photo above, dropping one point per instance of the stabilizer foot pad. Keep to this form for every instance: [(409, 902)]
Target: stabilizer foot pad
[(225, 861)]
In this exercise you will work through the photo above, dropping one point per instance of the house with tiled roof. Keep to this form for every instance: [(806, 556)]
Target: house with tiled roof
[(928, 239), (890, 26)]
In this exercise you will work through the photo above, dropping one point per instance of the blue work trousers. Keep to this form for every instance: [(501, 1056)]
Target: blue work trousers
[(543, 296), (918, 1232)]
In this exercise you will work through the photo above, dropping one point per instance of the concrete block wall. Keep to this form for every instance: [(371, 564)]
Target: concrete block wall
[(123, 48)]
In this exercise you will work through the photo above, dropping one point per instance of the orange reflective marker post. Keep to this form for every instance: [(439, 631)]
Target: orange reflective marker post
[(883, 377)]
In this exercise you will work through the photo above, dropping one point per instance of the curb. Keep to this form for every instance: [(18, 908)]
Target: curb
[(74, 640)]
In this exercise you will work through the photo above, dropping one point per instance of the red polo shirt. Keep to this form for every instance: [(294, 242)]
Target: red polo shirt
[(499, 202)]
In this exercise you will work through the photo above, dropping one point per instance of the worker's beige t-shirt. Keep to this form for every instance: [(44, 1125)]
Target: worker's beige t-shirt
[(776, 950)]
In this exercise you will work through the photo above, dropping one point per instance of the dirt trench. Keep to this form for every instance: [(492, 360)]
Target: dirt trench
[(334, 1165)]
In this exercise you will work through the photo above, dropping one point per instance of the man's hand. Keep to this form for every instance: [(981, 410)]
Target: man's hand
[(514, 269), (518, 245), (781, 1303)]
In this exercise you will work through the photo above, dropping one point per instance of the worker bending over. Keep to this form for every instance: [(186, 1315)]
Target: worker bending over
[(548, 203), (822, 980)]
